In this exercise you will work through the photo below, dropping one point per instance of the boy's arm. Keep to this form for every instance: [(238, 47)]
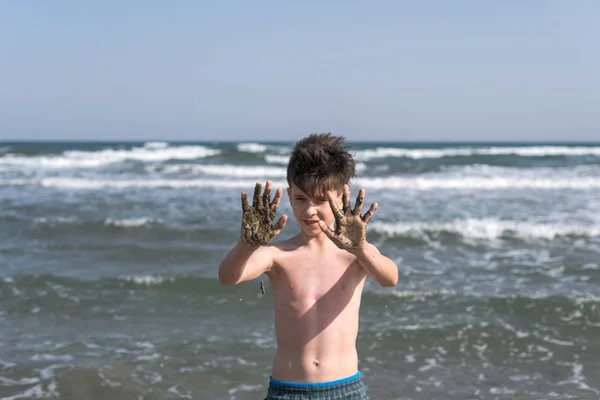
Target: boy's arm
[(379, 268), (244, 263)]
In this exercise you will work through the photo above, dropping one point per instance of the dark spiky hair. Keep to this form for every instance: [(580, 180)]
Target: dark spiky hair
[(320, 162)]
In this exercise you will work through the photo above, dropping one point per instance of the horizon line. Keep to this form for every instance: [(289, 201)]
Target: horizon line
[(579, 141)]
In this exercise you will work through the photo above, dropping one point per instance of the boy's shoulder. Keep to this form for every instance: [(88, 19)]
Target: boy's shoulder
[(287, 245)]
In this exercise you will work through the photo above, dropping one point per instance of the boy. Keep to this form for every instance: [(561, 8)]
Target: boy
[(317, 276)]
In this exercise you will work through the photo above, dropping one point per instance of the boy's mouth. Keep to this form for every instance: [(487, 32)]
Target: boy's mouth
[(311, 222)]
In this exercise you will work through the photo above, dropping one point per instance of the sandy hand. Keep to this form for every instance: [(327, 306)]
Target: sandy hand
[(257, 221), (350, 231)]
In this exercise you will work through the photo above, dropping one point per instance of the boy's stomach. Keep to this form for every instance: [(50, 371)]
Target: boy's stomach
[(315, 351)]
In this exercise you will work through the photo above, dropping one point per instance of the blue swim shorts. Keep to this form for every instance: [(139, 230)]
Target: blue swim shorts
[(351, 388)]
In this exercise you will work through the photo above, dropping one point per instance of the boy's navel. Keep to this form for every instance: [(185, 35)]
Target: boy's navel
[(316, 363)]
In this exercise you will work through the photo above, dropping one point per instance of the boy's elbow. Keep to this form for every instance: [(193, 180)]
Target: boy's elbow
[(227, 279), (226, 282), (391, 281)]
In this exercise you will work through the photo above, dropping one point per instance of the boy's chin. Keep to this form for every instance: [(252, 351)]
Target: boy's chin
[(312, 232)]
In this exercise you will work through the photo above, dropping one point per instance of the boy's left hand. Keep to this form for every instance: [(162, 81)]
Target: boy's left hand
[(350, 228)]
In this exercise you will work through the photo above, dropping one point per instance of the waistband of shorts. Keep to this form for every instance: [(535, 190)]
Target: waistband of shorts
[(310, 385)]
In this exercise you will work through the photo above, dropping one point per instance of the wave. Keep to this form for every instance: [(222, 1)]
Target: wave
[(533, 151), (235, 171), (494, 171), (56, 220), (473, 183), (273, 159), (29, 285), (125, 223), (96, 184), (486, 229), (388, 183), (148, 280), (130, 222), (252, 147), (150, 152), (220, 170)]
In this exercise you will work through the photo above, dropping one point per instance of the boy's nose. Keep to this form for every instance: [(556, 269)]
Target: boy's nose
[(311, 211)]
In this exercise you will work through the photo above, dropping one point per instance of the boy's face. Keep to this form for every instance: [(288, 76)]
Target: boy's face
[(308, 211)]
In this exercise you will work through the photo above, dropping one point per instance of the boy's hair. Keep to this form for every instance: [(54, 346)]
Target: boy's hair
[(320, 162)]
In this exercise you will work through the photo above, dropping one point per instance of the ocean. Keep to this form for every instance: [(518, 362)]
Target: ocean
[(109, 255)]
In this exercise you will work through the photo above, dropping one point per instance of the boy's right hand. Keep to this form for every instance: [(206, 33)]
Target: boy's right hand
[(257, 221)]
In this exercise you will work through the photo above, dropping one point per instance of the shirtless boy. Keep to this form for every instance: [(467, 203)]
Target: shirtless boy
[(317, 276)]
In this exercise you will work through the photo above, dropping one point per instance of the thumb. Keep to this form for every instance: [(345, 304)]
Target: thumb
[(279, 225)]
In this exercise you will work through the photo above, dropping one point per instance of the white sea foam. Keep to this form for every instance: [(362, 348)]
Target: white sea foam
[(272, 159), (252, 147), (51, 357), (487, 229), (149, 280), (34, 392), (92, 159), (525, 151), (472, 183), (145, 345), (175, 391), (96, 184), (244, 388), (56, 220), (492, 171), (235, 171), (388, 183), (221, 170), (130, 222), (21, 382), (148, 357), (420, 294)]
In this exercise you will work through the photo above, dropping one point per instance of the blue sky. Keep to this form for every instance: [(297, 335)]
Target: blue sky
[(278, 70)]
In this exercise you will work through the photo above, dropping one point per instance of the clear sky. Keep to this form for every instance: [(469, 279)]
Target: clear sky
[(278, 70)]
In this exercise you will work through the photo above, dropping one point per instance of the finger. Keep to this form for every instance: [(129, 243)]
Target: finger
[(266, 199), (336, 211), (346, 199), (245, 206), (369, 213), (277, 199), (360, 199), (326, 230), (256, 199), (279, 225)]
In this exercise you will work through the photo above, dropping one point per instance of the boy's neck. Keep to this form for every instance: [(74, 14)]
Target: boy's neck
[(318, 243)]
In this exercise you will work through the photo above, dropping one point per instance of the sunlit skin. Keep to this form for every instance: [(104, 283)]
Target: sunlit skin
[(317, 278)]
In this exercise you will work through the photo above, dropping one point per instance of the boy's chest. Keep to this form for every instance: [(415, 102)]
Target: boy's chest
[(309, 278)]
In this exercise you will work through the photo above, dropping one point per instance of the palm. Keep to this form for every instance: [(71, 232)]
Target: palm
[(257, 220), (350, 231)]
